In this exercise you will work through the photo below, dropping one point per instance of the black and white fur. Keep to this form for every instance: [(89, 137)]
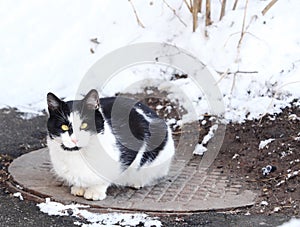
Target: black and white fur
[(105, 152)]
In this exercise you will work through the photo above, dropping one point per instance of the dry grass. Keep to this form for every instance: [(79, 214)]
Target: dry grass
[(175, 13), (223, 8), (195, 7), (136, 15), (235, 4), (266, 9), (195, 10), (207, 13), (243, 26)]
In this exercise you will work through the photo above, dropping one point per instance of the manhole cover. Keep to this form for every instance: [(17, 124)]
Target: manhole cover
[(188, 188)]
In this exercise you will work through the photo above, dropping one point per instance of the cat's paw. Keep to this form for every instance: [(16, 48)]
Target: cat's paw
[(137, 186), (95, 193), (77, 191)]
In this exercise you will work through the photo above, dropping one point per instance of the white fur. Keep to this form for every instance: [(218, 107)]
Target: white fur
[(147, 174), (96, 165), (141, 112)]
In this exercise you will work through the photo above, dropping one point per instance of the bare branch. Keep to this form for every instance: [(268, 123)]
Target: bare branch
[(265, 10), (223, 9), (233, 84), (195, 14), (174, 11), (235, 5), (243, 26), (237, 72), (188, 5), (223, 75), (208, 10), (200, 6), (136, 16)]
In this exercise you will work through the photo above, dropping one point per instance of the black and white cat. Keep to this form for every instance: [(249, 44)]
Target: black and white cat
[(95, 143)]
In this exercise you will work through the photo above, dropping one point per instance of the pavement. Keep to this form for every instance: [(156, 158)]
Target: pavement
[(20, 136)]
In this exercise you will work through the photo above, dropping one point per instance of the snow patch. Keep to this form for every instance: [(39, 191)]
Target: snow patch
[(18, 195), (291, 223), (210, 134), (200, 148), (96, 219), (264, 143)]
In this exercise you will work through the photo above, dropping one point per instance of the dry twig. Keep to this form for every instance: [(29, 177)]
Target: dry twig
[(265, 10), (200, 6), (235, 5), (207, 16), (136, 16), (237, 72), (207, 13), (174, 11), (233, 83), (223, 75), (189, 6), (95, 40), (195, 11), (223, 9), (243, 26)]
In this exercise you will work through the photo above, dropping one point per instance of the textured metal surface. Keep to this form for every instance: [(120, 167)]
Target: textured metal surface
[(188, 188)]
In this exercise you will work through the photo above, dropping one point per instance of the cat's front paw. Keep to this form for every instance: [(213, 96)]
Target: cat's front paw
[(137, 186), (77, 191), (95, 193)]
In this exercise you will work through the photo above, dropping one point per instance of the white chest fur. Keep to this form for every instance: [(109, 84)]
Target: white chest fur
[(99, 161)]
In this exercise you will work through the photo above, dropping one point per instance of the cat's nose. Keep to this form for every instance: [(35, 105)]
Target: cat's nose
[(74, 140)]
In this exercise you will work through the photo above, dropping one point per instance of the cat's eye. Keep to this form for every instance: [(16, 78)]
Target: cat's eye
[(83, 126), (65, 127)]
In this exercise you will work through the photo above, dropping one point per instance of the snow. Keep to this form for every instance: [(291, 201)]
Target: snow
[(210, 134), (264, 143), (18, 195), (294, 222), (294, 117), (95, 219), (42, 53), (264, 203), (200, 148)]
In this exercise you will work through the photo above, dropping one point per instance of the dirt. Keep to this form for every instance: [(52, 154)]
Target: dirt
[(239, 157)]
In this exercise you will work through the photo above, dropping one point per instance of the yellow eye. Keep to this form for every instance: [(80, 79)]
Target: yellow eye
[(65, 127), (83, 126)]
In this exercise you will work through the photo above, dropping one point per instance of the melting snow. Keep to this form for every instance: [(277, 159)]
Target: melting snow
[(54, 57), (18, 195), (96, 219), (291, 223), (200, 148), (264, 143)]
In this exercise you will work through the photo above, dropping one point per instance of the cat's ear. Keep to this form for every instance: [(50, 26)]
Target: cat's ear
[(91, 100), (53, 102)]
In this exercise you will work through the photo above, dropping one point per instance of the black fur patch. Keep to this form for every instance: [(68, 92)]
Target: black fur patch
[(70, 149), (116, 111)]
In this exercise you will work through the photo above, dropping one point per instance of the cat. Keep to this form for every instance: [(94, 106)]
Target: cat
[(98, 142)]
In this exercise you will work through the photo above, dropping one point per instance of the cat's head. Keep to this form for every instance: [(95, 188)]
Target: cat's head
[(73, 123)]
